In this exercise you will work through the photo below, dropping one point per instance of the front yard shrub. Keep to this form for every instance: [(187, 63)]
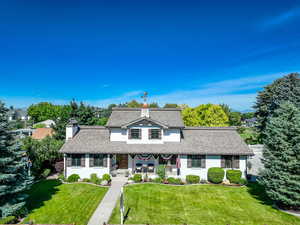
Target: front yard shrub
[(173, 180), (158, 180), (233, 176), (106, 177), (161, 171), (192, 179), (243, 181), (46, 173), (137, 178), (94, 178), (73, 178), (61, 177), (86, 180), (215, 175), (8, 220)]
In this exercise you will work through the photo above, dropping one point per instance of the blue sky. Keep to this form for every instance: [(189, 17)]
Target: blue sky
[(103, 52)]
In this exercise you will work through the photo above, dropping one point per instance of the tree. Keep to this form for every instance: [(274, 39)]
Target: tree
[(14, 177), (134, 104), (43, 111), (171, 105), (247, 115), (208, 115), (286, 88), (234, 117), (281, 156), (43, 153)]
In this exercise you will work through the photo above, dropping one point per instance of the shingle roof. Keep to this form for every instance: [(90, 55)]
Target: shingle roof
[(200, 140), (171, 117)]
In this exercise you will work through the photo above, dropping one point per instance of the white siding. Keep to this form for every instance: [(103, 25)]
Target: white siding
[(170, 135), (211, 161), (85, 172)]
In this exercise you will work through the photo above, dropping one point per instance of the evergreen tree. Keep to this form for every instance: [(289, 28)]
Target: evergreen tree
[(14, 178), (286, 88), (281, 156)]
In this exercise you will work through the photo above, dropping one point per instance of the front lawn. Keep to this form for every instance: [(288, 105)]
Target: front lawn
[(51, 202), (201, 204)]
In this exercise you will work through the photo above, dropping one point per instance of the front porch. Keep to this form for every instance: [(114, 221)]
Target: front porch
[(128, 164)]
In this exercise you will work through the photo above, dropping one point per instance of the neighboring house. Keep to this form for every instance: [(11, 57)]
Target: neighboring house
[(255, 165), (18, 114), (46, 124), (41, 133), (139, 139), (22, 133), (249, 122)]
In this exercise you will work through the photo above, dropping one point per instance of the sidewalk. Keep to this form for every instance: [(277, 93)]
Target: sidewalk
[(108, 203)]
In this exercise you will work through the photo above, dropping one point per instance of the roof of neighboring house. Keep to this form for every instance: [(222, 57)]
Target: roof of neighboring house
[(196, 140), (41, 133), (48, 123), (170, 117)]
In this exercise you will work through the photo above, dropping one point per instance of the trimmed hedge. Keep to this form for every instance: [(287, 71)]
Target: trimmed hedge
[(137, 178), (243, 181), (95, 179), (192, 179), (73, 178), (233, 176), (106, 177), (215, 175), (157, 180), (8, 220), (173, 180)]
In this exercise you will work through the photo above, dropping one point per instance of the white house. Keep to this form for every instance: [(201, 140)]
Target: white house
[(137, 140)]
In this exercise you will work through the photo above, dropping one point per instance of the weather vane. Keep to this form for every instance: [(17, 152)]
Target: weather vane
[(145, 96)]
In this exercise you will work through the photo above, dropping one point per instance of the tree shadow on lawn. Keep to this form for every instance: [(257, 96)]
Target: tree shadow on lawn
[(258, 192), (41, 192)]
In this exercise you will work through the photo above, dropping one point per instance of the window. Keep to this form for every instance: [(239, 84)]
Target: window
[(229, 161), (135, 134), (196, 161), (154, 134), (98, 160), (76, 160)]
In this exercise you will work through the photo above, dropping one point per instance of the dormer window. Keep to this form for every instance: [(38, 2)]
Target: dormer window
[(154, 134), (135, 134)]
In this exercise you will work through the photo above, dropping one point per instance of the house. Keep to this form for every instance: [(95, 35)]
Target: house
[(41, 133), (137, 140), (18, 114), (45, 123), (252, 122)]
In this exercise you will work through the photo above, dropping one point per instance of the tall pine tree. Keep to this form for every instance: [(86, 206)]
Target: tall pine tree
[(14, 178), (281, 156), (284, 89)]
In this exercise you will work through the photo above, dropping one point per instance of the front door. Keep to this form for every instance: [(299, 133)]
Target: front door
[(122, 161)]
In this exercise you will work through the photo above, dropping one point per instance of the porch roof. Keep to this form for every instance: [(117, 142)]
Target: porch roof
[(199, 140)]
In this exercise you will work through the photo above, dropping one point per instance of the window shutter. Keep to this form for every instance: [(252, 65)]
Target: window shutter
[(149, 133), (159, 134), (82, 161), (105, 160), (222, 161), (189, 161), (140, 133), (91, 160), (236, 161), (203, 161), (69, 160), (129, 133)]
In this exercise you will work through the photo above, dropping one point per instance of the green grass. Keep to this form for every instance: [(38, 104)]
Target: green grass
[(51, 202), (201, 204)]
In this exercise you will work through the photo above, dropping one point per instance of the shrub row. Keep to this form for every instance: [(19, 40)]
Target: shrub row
[(93, 178), (8, 220)]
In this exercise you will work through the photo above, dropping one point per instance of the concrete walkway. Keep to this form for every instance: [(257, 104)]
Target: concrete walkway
[(108, 203)]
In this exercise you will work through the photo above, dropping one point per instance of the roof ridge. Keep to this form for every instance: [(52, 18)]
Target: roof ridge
[(209, 128)]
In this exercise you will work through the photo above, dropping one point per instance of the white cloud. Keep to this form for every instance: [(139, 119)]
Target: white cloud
[(281, 18)]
